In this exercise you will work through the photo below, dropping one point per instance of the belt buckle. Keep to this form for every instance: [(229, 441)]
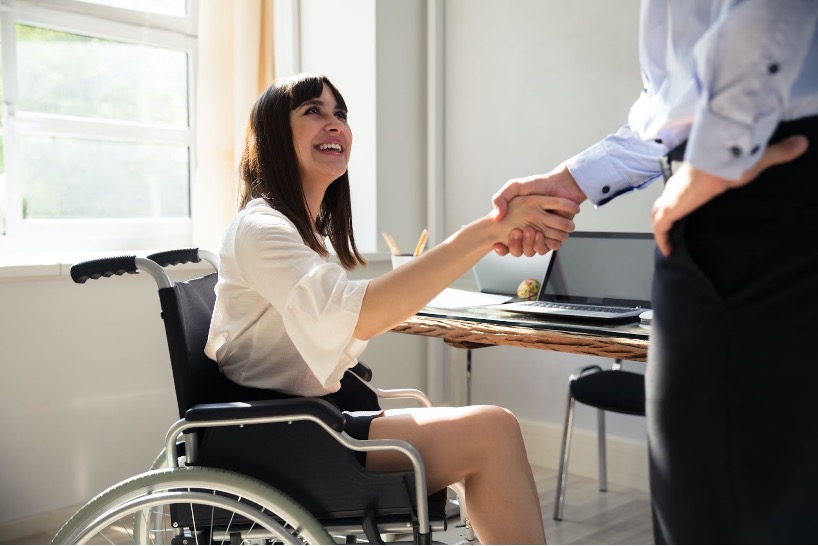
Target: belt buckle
[(666, 165), (669, 162)]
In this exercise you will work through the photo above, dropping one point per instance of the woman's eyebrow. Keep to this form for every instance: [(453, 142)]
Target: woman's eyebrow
[(312, 102), (318, 102)]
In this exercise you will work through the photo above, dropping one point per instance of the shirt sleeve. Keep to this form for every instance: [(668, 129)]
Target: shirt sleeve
[(746, 65), (615, 165), (318, 303)]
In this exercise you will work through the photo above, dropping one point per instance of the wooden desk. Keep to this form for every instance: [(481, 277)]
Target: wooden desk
[(477, 327)]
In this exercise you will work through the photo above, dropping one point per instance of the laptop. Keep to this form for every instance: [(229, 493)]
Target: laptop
[(595, 275), (503, 274)]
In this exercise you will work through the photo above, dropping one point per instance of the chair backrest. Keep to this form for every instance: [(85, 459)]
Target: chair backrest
[(187, 308)]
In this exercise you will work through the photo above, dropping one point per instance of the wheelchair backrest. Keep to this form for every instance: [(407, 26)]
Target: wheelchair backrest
[(187, 308)]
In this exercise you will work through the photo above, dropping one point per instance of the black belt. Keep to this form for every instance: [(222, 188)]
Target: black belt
[(807, 126), (670, 162)]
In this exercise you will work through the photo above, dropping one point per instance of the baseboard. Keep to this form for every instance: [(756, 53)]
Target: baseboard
[(627, 460), (34, 525)]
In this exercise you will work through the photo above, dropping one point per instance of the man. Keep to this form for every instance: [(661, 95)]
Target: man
[(729, 106)]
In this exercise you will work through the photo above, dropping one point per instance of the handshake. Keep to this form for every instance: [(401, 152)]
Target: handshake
[(555, 195)]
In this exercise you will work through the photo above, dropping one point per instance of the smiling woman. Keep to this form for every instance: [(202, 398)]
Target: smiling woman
[(322, 201), (288, 319)]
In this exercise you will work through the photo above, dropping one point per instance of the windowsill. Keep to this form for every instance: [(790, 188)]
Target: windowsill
[(24, 265)]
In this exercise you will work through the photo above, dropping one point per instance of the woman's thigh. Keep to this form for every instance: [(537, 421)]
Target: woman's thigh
[(453, 441)]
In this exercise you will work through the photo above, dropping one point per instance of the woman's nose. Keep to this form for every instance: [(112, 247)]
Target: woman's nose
[(334, 125)]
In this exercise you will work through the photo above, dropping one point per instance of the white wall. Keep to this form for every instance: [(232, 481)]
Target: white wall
[(529, 83), (87, 394), (338, 39)]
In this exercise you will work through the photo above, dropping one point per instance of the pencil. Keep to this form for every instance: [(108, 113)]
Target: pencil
[(421, 242), (390, 242)]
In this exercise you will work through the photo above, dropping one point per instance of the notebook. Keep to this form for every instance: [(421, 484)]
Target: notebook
[(502, 274), (595, 275)]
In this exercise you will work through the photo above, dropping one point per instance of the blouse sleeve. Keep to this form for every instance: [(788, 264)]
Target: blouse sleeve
[(318, 303)]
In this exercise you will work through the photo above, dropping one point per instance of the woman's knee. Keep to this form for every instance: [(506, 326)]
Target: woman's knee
[(498, 423)]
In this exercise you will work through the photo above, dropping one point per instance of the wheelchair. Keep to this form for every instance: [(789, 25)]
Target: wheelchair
[(246, 465)]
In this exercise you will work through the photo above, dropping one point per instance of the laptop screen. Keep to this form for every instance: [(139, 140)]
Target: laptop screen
[(602, 268), (502, 274)]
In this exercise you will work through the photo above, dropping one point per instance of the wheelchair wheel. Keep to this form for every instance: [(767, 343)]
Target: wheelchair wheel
[(192, 505)]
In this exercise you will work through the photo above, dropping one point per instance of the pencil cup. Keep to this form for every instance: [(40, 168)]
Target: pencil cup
[(401, 259)]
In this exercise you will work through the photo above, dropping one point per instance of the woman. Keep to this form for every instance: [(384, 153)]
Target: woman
[(289, 320)]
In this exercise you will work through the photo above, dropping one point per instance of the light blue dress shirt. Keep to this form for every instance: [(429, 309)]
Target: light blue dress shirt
[(721, 74)]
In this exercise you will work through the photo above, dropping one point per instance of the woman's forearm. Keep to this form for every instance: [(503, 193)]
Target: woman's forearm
[(398, 294)]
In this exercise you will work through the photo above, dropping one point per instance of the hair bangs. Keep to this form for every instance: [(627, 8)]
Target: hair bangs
[(310, 86)]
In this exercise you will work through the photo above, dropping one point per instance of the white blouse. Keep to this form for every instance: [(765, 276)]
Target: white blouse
[(284, 315)]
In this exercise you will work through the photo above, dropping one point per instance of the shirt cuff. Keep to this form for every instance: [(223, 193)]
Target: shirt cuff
[(727, 148), (597, 175), (617, 164)]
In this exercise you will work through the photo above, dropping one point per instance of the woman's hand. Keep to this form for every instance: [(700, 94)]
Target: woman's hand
[(541, 222)]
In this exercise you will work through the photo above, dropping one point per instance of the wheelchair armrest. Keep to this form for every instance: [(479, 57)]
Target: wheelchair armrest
[(362, 372), (416, 394), (232, 411)]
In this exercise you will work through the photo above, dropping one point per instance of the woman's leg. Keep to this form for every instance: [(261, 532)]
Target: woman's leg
[(481, 445)]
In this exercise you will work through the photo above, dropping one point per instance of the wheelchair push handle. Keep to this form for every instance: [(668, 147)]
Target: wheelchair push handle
[(176, 257), (184, 255), (103, 267), (118, 265)]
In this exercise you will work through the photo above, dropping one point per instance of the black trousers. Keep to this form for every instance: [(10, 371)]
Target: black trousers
[(732, 376)]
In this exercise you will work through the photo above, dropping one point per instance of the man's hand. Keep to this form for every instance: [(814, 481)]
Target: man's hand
[(690, 188), (557, 183)]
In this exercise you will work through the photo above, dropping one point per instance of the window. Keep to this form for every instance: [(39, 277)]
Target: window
[(98, 136)]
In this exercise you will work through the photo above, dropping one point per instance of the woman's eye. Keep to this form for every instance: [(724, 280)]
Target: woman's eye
[(341, 114), (313, 110)]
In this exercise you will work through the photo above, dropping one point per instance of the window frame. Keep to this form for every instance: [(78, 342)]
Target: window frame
[(106, 22)]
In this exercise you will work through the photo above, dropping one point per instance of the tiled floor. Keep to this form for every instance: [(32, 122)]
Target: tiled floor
[(620, 516)]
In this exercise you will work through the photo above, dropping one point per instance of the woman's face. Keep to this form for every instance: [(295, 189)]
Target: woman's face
[(322, 140)]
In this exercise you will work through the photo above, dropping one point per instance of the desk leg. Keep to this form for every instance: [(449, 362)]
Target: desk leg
[(468, 377)]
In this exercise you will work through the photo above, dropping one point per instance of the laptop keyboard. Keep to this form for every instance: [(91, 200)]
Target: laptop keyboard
[(579, 307)]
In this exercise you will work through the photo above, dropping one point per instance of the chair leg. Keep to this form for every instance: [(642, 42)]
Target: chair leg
[(566, 448), (603, 461)]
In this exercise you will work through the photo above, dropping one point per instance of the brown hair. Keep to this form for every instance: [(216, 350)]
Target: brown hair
[(269, 168)]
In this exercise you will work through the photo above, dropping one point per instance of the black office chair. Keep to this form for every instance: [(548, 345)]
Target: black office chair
[(302, 468), (607, 390)]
